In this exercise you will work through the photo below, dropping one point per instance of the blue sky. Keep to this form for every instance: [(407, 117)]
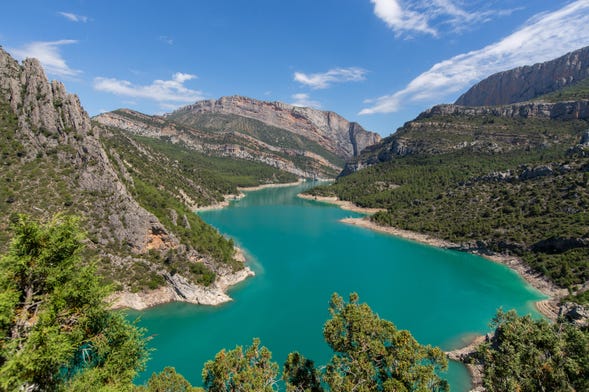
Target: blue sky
[(378, 62)]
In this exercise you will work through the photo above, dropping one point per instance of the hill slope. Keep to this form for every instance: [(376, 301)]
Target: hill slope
[(328, 129), (510, 179), (233, 137), (53, 160)]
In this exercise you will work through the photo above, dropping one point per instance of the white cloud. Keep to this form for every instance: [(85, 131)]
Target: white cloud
[(428, 16), (324, 80), (48, 54), (163, 91), (304, 100), (399, 19), (544, 37), (73, 17)]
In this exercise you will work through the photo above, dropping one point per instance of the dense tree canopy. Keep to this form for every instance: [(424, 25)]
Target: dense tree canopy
[(56, 332), (237, 370), (535, 355), (372, 355)]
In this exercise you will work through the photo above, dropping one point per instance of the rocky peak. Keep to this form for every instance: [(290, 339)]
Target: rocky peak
[(526, 83), (329, 129), (47, 114)]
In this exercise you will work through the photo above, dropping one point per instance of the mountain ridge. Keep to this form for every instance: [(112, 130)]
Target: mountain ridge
[(528, 82), (349, 137)]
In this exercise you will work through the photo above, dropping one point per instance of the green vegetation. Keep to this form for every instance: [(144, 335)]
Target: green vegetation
[(180, 169), (274, 136), (56, 331), (530, 200), (236, 370), (370, 354), (58, 335), (574, 92), (530, 355), (164, 178)]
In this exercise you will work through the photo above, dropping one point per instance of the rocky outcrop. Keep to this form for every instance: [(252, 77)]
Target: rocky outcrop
[(448, 128), (330, 130), (526, 83), (571, 110)]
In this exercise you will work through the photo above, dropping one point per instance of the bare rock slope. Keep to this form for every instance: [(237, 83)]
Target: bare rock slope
[(333, 132), (526, 83)]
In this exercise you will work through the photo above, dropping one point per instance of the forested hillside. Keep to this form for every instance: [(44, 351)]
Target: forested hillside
[(509, 179), (143, 233)]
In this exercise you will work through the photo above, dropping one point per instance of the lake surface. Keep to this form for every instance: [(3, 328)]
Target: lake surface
[(302, 254)]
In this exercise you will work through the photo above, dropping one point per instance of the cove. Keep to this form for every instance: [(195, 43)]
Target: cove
[(301, 254)]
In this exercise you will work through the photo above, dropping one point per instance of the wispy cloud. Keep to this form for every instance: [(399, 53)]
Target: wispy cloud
[(304, 100), (165, 39), (401, 19), (543, 37), (167, 92), (405, 17), (73, 17), (49, 55), (324, 80)]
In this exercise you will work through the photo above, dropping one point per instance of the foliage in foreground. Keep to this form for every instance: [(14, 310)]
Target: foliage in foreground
[(370, 354), (56, 332), (535, 355)]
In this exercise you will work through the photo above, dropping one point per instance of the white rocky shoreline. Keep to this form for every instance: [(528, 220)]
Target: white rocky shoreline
[(179, 289)]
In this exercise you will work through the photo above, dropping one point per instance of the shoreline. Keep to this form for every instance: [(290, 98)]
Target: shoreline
[(178, 289), (227, 199), (344, 205), (547, 307), (541, 284)]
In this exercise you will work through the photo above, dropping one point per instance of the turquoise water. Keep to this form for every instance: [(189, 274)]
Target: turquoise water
[(301, 254)]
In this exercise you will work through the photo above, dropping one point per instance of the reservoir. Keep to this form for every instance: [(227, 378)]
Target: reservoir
[(301, 254)]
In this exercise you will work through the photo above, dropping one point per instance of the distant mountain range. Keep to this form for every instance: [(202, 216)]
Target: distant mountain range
[(303, 141), (523, 103)]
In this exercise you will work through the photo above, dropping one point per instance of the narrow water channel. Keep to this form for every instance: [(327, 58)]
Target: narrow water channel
[(301, 254)]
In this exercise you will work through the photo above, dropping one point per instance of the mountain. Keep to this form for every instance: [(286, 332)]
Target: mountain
[(233, 137), (330, 130), (305, 142), (508, 179), (529, 82), (143, 237), (484, 129)]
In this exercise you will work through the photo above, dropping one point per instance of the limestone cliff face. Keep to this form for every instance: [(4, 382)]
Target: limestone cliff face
[(448, 128), (49, 117), (242, 146), (332, 131), (63, 166), (526, 83), (571, 110)]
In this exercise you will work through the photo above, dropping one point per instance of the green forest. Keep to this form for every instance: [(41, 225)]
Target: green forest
[(532, 203)]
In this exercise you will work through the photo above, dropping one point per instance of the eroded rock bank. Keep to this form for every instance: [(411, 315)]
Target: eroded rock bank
[(181, 290)]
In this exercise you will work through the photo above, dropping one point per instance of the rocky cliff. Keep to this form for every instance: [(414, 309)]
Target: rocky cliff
[(301, 157), (449, 128), (53, 161), (328, 129), (526, 83)]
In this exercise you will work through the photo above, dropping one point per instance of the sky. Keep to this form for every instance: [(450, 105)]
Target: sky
[(377, 62)]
